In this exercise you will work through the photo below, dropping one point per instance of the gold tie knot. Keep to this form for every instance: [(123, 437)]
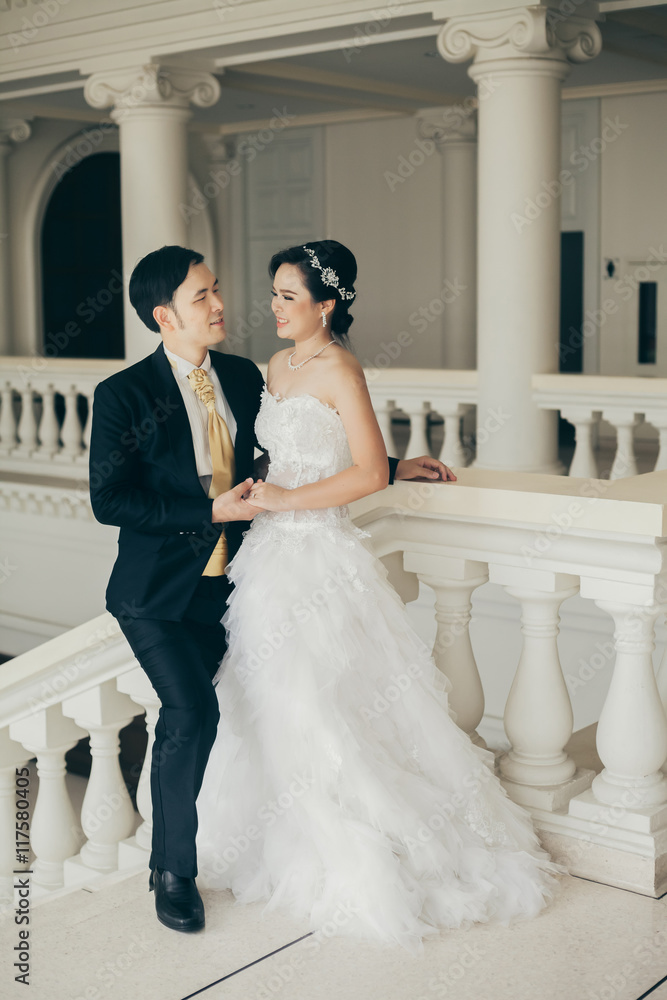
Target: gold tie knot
[(203, 386)]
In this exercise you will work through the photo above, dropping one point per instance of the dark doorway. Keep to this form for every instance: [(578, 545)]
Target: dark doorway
[(571, 353), (82, 263), (571, 342)]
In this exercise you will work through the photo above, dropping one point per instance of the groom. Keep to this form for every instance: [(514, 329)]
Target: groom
[(158, 454)]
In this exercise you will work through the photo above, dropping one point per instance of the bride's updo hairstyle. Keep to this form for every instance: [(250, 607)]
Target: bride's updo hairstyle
[(328, 270)]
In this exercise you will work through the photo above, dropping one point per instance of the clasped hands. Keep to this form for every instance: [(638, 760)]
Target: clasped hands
[(250, 497)]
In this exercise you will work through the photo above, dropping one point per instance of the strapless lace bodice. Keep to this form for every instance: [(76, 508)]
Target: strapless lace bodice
[(306, 442)]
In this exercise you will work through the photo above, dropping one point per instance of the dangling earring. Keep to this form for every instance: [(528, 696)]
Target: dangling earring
[(324, 318)]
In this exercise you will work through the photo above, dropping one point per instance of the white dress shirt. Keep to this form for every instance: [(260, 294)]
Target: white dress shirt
[(198, 414)]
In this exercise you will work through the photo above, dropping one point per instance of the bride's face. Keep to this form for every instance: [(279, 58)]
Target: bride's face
[(298, 316)]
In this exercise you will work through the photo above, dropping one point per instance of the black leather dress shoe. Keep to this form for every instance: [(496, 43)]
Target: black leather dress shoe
[(177, 901)]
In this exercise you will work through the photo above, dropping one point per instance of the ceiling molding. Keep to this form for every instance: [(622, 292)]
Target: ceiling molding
[(51, 88), (238, 81), (345, 81), (628, 89), (299, 121)]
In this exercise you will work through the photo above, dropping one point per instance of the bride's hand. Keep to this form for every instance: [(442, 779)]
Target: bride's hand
[(268, 496)]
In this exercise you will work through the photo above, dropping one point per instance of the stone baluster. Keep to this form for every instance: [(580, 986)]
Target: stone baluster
[(89, 423), (49, 428), (538, 715), (658, 419), (625, 421), (7, 420), (12, 758), (452, 451), (107, 815), (453, 581), (136, 684), (55, 834), (27, 429), (584, 420), (71, 428), (418, 412), (384, 409), (632, 730)]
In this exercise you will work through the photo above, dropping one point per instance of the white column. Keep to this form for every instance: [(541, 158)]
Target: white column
[(538, 715), (224, 171), (453, 581), (12, 131), (521, 58), (454, 131), (152, 108)]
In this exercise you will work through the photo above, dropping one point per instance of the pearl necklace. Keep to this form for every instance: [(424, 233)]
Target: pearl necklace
[(295, 368)]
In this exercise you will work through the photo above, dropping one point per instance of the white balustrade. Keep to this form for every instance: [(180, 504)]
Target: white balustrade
[(625, 402), (538, 535), (33, 439), (34, 390)]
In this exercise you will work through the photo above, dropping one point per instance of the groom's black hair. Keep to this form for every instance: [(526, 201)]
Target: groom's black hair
[(156, 278)]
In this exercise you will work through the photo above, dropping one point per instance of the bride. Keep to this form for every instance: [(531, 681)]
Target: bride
[(385, 823)]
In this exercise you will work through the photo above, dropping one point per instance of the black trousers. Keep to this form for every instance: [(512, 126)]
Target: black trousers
[(180, 659)]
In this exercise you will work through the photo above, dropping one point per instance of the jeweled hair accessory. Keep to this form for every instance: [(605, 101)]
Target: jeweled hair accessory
[(329, 276)]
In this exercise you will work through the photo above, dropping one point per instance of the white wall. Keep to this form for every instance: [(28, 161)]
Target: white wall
[(633, 222), (395, 234)]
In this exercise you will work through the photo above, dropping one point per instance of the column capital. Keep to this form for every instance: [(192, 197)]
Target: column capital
[(151, 86), (523, 33), (14, 130), (449, 125), (220, 148)]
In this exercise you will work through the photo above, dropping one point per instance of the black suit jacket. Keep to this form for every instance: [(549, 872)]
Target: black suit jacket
[(143, 478)]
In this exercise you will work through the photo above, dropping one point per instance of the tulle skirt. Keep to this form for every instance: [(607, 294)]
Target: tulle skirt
[(339, 785)]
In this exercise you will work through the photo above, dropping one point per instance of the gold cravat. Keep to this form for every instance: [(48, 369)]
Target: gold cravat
[(222, 460)]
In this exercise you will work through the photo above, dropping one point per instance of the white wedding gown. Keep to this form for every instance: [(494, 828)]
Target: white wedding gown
[(339, 785)]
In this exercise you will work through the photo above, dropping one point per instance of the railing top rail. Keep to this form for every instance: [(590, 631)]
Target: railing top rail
[(618, 385), (634, 506), (40, 366)]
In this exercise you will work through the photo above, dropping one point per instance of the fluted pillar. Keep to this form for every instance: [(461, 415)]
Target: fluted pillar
[(151, 105), (225, 195), (12, 131), (521, 56), (454, 131)]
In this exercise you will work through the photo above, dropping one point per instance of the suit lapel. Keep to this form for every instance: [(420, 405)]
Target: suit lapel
[(177, 423)]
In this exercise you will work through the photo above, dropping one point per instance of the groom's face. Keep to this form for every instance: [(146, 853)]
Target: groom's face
[(196, 318)]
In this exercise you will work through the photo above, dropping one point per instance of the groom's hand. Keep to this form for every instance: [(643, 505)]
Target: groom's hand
[(231, 506), (423, 467)]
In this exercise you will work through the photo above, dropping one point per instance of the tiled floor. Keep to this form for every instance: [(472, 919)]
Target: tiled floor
[(593, 943)]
